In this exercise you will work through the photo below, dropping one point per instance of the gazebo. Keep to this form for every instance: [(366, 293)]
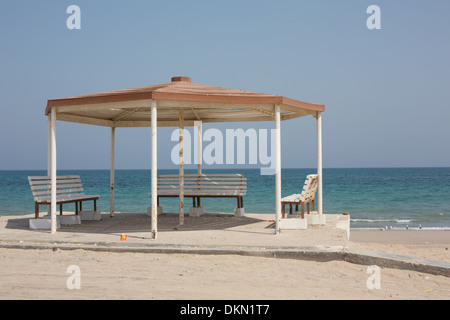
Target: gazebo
[(178, 103)]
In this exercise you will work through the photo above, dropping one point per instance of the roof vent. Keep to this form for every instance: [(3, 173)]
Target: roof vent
[(181, 79)]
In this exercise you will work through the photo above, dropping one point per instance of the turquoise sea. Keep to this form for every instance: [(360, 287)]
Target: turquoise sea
[(374, 197)]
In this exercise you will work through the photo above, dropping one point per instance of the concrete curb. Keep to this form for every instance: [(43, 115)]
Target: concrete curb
[(319, 253), (395, 261)]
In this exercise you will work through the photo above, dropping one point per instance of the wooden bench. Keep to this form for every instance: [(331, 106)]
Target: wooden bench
[(306, 197), (68, 190), (204, 186)]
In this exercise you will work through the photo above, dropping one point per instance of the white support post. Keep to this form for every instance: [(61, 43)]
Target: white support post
[(277, 169), (53, 170), (198, 124), (197, 209), (112, 169), (154, 173), (49, 146), (181, 165), (49, 155), (319, 163)]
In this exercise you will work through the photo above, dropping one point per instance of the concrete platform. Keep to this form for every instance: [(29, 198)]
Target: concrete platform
[(211, 233), (209, 228)]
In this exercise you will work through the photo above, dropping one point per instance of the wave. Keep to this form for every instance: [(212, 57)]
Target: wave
[(371, 220), (401, 229)]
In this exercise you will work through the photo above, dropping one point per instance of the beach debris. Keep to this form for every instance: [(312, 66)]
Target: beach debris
[(123, 237), (420, 226)]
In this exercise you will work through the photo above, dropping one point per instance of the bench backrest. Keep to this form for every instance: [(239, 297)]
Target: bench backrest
[(310, 188), (210, 183), (41, 186)]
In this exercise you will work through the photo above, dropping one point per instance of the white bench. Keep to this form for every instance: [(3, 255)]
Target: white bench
[(306, 197), (68, 190), (204, 186)]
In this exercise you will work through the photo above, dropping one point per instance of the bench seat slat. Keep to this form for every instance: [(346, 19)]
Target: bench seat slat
[(202, 178), (64, 198), (207, 175), (59, 191), (196, 193), (202, 182), (169, 187), (49, 178), (58, 186)]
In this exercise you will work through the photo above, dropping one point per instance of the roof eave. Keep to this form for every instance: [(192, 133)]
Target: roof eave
[(232, 99)]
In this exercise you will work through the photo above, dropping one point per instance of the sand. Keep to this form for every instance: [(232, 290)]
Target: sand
[(43, 273)]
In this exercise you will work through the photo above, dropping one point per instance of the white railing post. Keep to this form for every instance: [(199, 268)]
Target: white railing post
[(319, 163), (53, 170), (181, 166), (111, 188), (154, 173), (277, 169)]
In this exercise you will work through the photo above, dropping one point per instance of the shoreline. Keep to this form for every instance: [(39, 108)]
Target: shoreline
[(356, 228)]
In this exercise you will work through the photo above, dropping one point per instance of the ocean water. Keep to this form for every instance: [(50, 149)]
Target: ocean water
[(374, 197)]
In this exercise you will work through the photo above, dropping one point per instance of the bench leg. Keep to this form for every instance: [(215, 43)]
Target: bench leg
[(283, 214), (199, 202), (313, 205), (303, 211), (307, 206), (36, 210), (194, 204), (95, 205), (290, 208), (76, 207), (60, 209)]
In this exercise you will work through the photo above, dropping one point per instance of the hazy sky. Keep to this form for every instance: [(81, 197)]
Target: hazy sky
[(387, 92)]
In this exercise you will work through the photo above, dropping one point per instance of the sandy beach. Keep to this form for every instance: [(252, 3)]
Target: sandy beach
[(43, 273)]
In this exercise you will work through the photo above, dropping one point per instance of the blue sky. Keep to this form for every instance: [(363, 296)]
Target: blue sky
[(386, 91)]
